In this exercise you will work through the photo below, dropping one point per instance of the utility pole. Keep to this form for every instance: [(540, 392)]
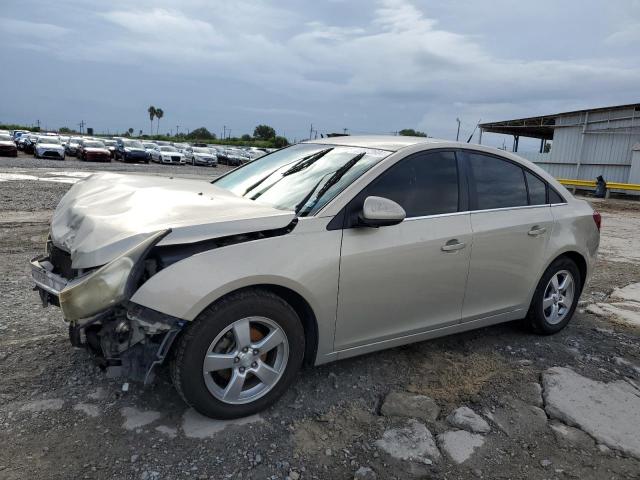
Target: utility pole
[(177, 130), (344, 130), (224, 132), (458, 134), (38, 123), (229, 137), (311, 132), (81, 125)]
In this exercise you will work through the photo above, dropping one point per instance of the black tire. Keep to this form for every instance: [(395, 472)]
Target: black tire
[(535, 318), (194, 342)]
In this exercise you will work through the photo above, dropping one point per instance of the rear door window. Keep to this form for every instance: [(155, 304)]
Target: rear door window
[(497, 183)]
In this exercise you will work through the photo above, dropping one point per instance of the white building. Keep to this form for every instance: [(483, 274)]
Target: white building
[(584, 144)]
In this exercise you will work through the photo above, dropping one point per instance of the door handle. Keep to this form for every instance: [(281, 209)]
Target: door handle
[(535, 231), (453, 245)]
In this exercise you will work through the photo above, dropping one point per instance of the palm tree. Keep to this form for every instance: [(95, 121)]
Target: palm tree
[(130, 131), (159, 114), (152, 113)]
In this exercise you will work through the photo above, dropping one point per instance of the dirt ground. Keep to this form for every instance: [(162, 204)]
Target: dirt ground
[(63, 418)]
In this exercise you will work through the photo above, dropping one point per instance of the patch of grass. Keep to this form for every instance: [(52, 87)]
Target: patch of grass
[(456, 377)]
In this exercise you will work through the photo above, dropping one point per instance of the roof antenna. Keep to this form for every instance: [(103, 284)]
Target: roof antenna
[(474, 131)]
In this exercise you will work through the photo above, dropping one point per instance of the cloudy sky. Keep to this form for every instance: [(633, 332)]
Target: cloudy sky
[(368, 66)]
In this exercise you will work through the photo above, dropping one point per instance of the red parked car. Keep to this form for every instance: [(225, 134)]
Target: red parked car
[(93, 151)]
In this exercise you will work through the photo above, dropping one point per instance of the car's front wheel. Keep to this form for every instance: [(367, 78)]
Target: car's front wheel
[(556, 297), (240, 355)]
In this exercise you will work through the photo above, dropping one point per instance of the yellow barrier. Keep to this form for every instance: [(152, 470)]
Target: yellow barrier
[(592, 184)]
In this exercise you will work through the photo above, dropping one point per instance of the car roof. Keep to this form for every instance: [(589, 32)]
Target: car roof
[(392, 143)]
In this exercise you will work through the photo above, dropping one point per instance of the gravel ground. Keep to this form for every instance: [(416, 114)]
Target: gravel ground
[(64, 418)]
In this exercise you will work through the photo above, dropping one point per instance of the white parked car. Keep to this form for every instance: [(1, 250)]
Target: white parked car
[(167, 154), (151, 148), (49, 146), (202, 156), (314, 253)]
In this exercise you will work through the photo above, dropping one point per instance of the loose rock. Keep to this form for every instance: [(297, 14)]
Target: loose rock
[(413, 442), (404, 404), (365, 473), (469, 420), (459, 445)]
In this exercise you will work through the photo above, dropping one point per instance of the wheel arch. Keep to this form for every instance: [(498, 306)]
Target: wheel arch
[(580, 262), (578, 258)]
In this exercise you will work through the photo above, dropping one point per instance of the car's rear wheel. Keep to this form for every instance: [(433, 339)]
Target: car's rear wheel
[(556, 297), (239, 356)]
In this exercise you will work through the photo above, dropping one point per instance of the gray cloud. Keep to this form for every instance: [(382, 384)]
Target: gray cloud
[(360, 65)]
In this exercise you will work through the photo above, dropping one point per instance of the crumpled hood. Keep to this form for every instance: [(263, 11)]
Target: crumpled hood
[(106, 214)]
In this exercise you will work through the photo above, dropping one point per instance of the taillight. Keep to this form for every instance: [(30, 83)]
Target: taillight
[(597, 218)]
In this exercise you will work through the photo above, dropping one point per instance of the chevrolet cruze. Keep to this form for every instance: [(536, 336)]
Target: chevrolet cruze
[(316, 252)]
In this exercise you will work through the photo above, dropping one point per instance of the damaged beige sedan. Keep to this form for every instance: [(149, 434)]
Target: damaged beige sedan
[(316, 252)]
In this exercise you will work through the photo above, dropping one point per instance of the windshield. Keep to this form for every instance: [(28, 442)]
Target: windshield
[(150, 145), (166, 148), (109, 143), (201, 150), (133, 144), (50, 140), (75, 140), (303, 178), (93, 144), (4, 137)]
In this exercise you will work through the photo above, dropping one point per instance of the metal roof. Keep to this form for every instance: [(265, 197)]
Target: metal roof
[(381, 142), (542, 126)]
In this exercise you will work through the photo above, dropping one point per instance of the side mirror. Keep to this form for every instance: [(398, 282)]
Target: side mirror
[(381, 212)]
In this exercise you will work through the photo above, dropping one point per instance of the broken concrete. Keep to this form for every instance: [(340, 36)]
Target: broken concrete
[(195, 425), (623, 312), (43, 405), (404, 404), (609, 412), (469, 420), (135, 418), (459, 445), (413, 442), (631, 293), (168, 431), (88, 409)]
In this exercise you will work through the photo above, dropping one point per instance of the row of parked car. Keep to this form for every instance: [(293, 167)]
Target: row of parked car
[(99, 149)]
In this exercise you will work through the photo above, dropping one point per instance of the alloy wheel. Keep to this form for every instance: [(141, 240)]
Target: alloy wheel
[(558, 297), (246, 360)]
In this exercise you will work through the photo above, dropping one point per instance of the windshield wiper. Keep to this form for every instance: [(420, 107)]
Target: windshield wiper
[(335, 178), (304, 161), (307, 162)]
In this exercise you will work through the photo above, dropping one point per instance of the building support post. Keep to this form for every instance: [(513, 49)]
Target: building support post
[(581, 151)]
